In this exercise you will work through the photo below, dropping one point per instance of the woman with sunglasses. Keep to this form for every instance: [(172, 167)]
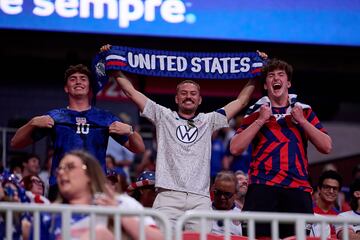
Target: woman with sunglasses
[(34, 184), (81, 181), (34, 188)]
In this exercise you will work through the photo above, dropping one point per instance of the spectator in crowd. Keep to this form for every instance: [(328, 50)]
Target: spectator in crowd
[(82, 181), (34, 188), (144, 188), (34, 184), (224, 189), (341, 204), (184, 145), (31, 165), (242, 187), (328, 187), (117, 181), (117, 178), (118, 171), (123, 157), (110, 161), (279, 127), (46, 171), (16, 165), (354, 229), (147, 162), (77, 126), (11, 191), (239, 162)]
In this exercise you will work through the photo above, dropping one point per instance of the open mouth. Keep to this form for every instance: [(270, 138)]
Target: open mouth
[(276, 86), (63, 182)]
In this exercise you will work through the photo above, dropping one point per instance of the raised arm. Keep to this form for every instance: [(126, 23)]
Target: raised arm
[(22, 137), (244, 97), (241, 101), (137, 97)]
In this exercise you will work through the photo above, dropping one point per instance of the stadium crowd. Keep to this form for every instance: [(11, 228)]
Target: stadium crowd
[(259, 163)]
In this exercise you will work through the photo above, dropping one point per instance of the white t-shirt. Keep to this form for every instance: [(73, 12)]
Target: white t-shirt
[(184, 148), (128, 203), (218, 226), (315, 230), (354, 227)]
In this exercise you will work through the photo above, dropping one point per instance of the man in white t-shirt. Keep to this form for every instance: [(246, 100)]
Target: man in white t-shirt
[(354, 229), (184, 145), (224, 190)]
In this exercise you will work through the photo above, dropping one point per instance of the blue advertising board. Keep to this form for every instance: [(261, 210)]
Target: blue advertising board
[(330, 22)]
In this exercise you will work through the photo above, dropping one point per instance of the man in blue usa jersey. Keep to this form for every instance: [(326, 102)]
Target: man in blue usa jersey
[(77, 126)]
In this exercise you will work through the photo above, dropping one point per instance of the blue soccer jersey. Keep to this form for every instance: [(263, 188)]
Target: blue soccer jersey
[(87, 130)]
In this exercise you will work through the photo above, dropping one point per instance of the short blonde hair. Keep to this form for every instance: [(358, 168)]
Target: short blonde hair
[(187, 81)]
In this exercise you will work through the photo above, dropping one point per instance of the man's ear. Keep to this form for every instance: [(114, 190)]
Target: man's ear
[(176, 99), (200, 101), (265, 87), (288, 84), (66, 89)]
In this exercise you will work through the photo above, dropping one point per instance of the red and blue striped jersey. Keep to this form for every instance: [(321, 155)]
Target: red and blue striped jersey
[(279, 156)]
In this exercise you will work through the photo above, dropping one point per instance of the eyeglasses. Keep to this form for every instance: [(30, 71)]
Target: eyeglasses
[(328, 188), (227, 195), (190, 123), (69, 167), (37, 182)]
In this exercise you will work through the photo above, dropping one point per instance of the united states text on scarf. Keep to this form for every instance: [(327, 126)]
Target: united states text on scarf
[(160, 63)]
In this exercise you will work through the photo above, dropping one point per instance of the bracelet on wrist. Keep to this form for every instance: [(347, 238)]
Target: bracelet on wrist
[(131, 131)]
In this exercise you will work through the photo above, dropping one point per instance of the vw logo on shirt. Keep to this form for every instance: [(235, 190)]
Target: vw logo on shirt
[(186, 134)]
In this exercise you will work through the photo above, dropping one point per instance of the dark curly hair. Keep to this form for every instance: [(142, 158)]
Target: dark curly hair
[(332, 175), (276, 64)]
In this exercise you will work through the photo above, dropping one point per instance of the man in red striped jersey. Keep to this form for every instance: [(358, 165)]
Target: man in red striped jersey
[(279, 127)]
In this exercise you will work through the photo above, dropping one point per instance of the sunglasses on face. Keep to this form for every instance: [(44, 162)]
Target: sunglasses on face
[(328, 188), (219, 193), (190, 123)]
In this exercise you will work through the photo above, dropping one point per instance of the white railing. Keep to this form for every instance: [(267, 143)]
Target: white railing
[(300, 221), (67, 210)]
